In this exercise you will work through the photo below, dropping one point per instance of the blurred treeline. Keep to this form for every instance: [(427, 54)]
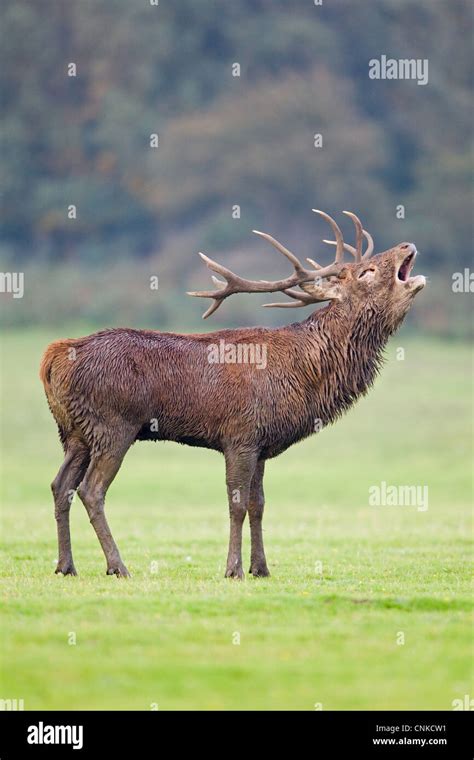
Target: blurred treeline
[(224, 141)]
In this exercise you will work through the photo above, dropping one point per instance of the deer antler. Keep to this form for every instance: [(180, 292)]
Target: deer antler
[(309, 280)]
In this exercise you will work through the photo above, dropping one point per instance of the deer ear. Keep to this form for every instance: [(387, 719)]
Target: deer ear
[(345, 274)]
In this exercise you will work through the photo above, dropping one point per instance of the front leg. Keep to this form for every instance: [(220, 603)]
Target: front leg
[(258, 562), (240, 467)]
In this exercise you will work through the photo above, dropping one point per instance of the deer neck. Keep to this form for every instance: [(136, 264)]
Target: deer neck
[(344, 347)]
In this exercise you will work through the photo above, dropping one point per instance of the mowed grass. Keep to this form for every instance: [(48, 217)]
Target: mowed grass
[(350, 582)]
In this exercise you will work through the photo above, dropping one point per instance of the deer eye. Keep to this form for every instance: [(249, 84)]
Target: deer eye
[(369, 273)]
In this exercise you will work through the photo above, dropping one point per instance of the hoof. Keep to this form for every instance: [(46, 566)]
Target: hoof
[(119, 570), (259, 571), (65, 568), (235, 572)]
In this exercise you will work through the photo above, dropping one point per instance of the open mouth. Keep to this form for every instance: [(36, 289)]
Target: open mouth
[(406, 266)]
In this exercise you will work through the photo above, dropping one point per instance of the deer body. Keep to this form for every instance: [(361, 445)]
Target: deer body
[(115, 387)]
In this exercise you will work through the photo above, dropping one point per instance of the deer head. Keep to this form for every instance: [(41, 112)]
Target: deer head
[(379, 284)]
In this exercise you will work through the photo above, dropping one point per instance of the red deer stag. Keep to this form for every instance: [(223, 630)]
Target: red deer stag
[(115, 387)]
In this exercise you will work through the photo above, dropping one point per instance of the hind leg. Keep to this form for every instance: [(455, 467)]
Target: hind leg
[(102, 469), (63, 487)]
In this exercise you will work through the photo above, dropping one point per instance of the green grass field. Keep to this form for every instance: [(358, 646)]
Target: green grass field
[(349, 581)]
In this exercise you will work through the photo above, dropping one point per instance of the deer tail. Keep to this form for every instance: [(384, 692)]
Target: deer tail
[(56, 355)]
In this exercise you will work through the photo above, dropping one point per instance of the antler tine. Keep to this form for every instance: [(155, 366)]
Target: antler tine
[(370, 245), (359, 235), (276, 244), (305, 275), (301, 299), (337, 234), (349, 248), (286, 304), (314, 263)]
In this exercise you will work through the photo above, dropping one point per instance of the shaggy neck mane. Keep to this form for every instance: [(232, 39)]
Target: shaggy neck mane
[(343, 354)]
